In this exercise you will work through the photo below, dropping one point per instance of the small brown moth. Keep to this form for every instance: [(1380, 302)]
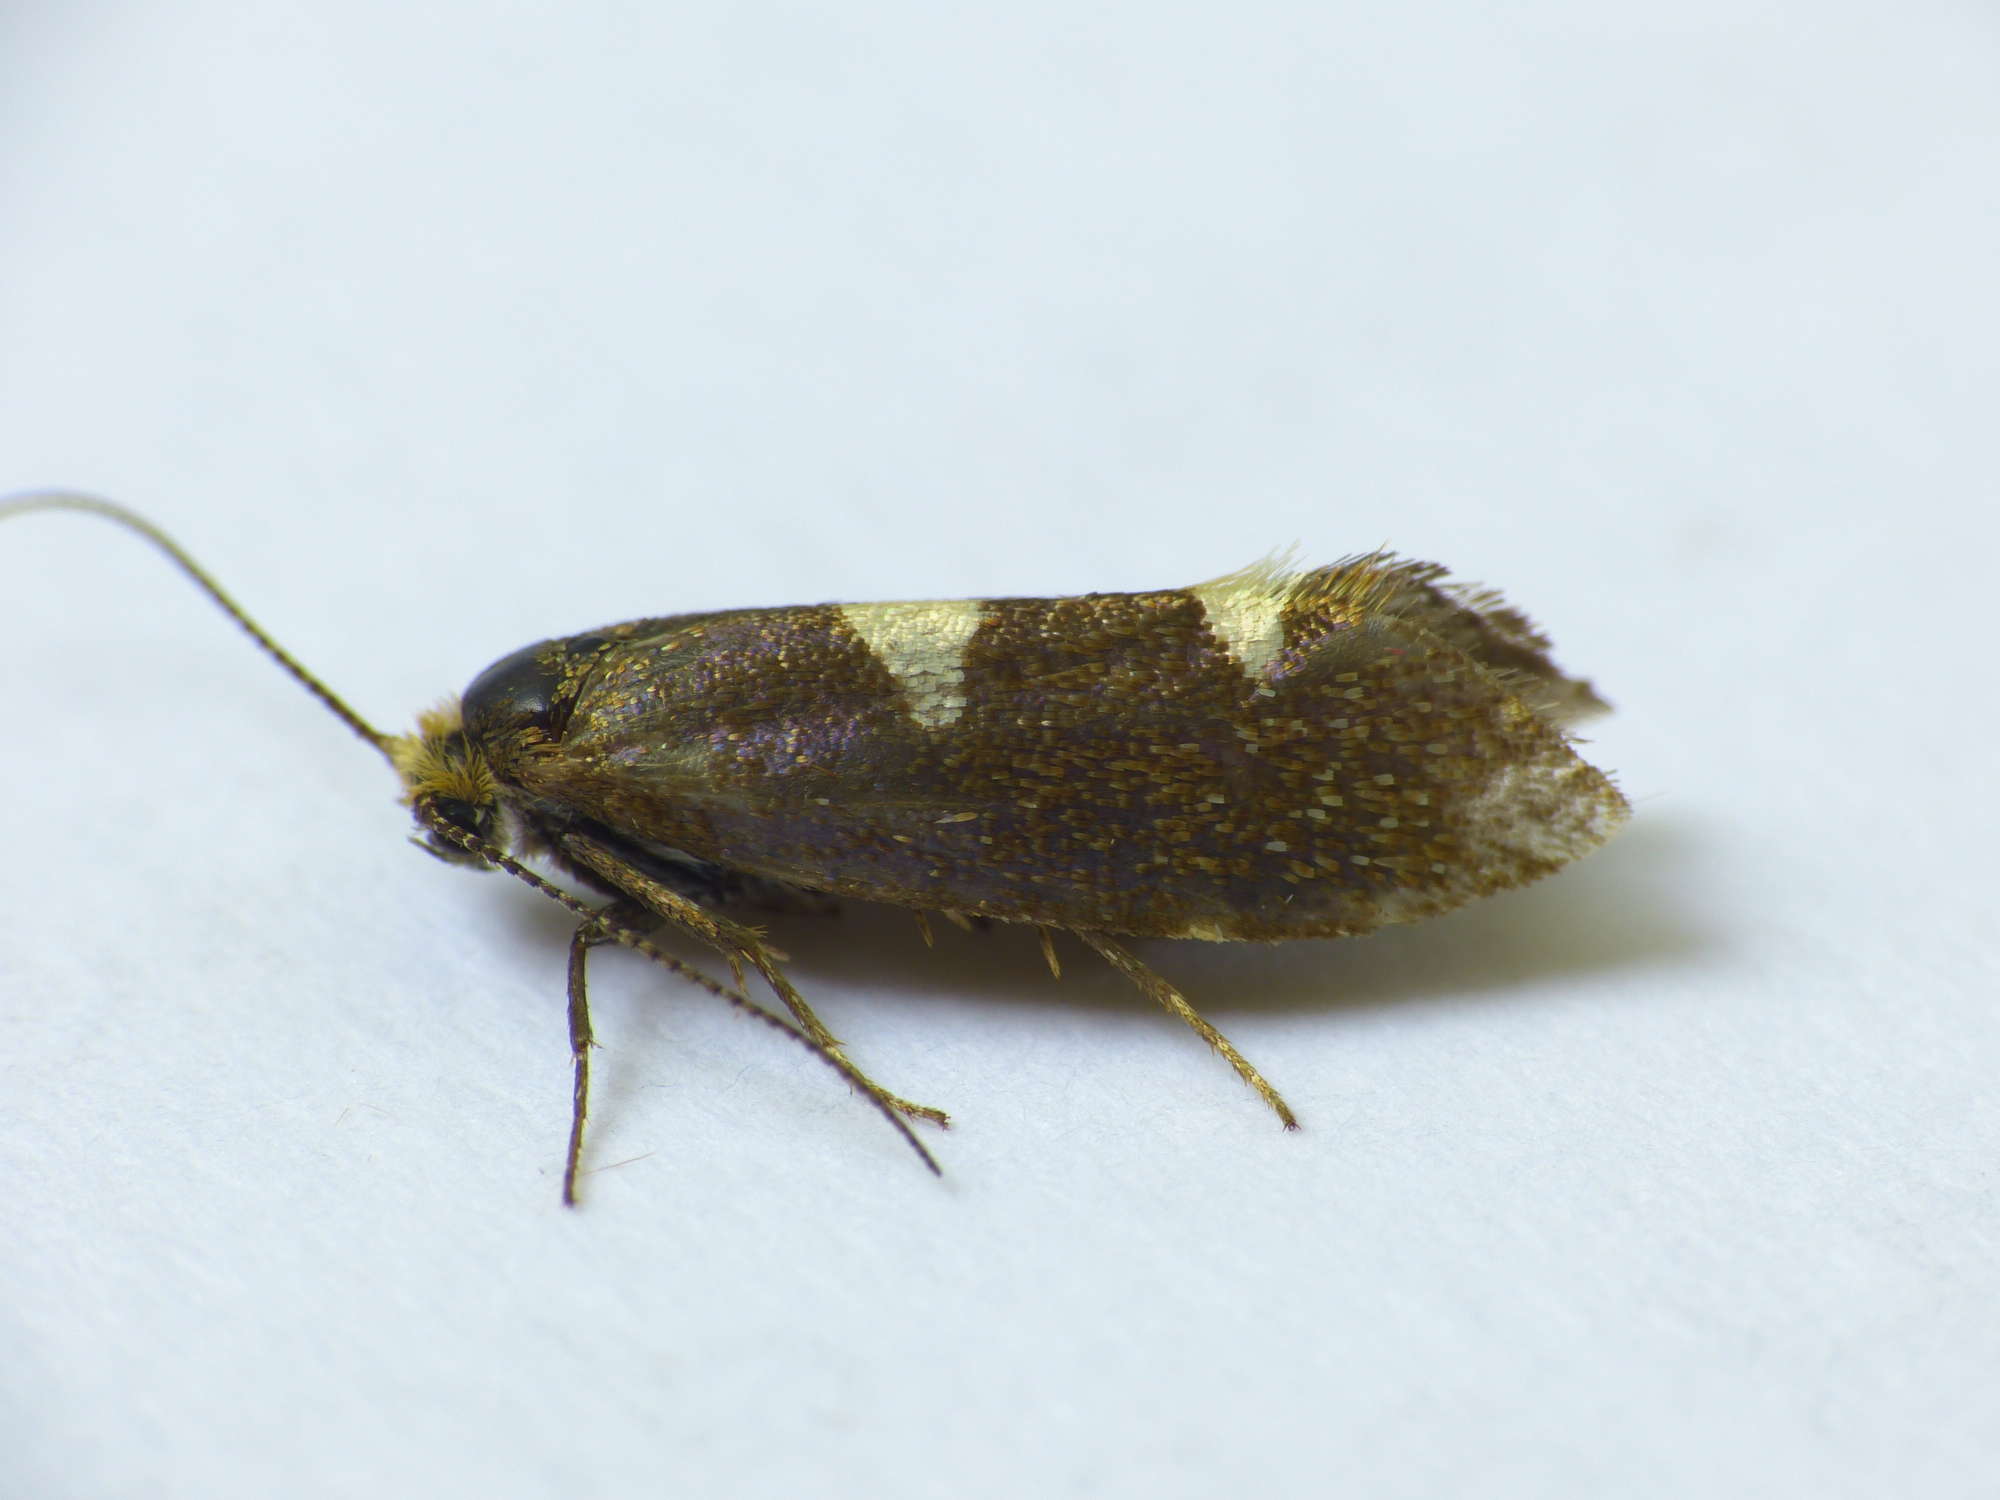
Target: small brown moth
[(1273, 754)]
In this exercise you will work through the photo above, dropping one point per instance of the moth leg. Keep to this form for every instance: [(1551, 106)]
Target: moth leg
[(1126, 963), (735, 942), (582, 1039), (587, 936)]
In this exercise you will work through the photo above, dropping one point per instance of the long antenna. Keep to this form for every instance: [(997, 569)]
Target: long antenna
[(132, 521)]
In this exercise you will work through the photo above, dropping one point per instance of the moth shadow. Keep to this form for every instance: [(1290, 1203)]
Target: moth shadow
[(1614, 911), (868, 967)]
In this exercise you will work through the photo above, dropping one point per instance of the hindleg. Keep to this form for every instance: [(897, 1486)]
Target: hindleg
[(1126, 963)]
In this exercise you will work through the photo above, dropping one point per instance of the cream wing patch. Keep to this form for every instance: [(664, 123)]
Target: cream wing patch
[(922, 644), (1246, 612), (1542, 812)]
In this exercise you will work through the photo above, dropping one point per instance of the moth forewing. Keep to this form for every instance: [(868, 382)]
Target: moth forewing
[(1313, 766), (1272, 754)]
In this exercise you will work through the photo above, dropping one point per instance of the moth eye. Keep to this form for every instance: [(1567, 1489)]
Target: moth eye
[(457, 812), (475, 819)]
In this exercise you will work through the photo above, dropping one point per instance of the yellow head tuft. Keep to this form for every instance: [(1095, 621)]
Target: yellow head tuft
[(438, 763)]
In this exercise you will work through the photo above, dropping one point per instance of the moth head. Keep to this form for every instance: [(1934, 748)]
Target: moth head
[(449, 785)]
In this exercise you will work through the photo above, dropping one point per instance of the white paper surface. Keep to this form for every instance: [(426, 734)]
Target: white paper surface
[(434, 334)]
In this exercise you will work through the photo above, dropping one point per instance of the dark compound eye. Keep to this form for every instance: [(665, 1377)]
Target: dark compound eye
[(457, 813)]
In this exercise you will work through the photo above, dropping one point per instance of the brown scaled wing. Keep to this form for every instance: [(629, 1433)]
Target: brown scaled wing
[(1265, 756)]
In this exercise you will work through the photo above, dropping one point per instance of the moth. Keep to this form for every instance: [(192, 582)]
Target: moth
[(1277, 753)]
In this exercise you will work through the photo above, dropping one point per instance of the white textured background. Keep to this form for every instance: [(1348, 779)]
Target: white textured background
[(438, 333)]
